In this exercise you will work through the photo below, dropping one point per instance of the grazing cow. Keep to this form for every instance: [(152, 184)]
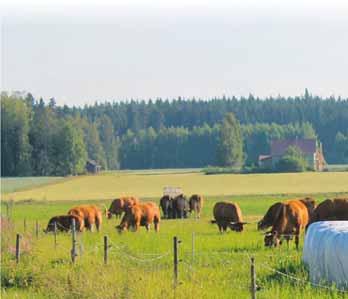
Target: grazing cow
[(180, 206), (143, 214), (331, 209), (272, 213), (228, 214), (196, 204), (90, 214), (291, 217), (166, 204), (119, 205), (64, 222)]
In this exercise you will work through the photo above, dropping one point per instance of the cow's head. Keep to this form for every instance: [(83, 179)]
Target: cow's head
[(271, 239), (237, 226), (270, 216)]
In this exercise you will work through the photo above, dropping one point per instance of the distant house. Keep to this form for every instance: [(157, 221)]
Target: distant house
[(92, 166), (311, 149)]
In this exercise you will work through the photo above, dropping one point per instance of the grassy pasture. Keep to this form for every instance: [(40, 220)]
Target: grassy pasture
[(219, 269), (150, 184), (15, 184)]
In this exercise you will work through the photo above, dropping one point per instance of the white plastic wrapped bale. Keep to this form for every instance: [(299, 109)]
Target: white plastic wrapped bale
[(325, 252)]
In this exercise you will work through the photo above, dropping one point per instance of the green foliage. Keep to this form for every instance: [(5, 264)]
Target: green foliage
[(15, 146), (230, 147), (292, 161), (70, 150), (341, 145)]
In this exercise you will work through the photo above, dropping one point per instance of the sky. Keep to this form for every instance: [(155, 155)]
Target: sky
[(83, 52)]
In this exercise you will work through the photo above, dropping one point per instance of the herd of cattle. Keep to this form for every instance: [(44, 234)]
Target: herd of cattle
[(286, 219)]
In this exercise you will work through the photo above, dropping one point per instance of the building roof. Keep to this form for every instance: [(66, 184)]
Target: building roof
[(92, 162), (264, 157), (279, 147)]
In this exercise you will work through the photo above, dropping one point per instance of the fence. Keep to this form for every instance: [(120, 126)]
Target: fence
[(183, 263)]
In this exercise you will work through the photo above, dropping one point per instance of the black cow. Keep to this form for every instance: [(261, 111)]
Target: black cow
[(180, 206), (166, 204)]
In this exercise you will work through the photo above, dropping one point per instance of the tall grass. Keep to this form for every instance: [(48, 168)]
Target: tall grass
[(219, 268)]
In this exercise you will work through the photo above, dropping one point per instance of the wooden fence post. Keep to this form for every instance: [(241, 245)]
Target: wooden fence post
[(37, 229), (73, 235), (106, 247), (253, 279), (176, 260), (193, 247), (18, 237), (55, 235)]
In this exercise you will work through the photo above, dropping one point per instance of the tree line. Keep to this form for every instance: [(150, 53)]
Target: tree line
[(46, 139)]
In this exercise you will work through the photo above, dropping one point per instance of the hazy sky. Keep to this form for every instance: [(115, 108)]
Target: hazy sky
[(81, 54)]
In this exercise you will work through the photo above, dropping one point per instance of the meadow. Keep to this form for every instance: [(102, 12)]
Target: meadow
[(212, 265)]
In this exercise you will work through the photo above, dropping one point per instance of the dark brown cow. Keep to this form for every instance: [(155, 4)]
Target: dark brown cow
[(196, 204), (119, 205), (166, 204), (180, 206), (292, 216), (272, 213), (331, 209), (228, 214), (143, 214), (64, 223), (90, 214)]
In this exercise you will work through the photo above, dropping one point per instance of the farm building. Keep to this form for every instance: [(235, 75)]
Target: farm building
[(311, 149), (92, 166)]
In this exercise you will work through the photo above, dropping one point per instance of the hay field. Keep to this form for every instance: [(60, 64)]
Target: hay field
[(150, 184)]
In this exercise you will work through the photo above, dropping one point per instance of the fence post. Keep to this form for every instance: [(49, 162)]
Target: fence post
[(73, 235), (55, 235), (106, 247), (193, 246), (37, 229), (25, 225), (17, 248), (253, 279), (176, 260)]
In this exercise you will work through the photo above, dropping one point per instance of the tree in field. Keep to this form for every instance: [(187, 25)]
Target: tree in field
[(70, 149), (42, 131), (15, 147), (230, 147), (292, 161), (109, 142)]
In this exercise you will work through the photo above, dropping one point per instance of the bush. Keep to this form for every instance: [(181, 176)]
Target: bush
[(292, 161)]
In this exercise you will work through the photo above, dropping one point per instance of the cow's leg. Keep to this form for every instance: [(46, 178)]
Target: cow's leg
[(297, 236), (220, 227), (97, 223)]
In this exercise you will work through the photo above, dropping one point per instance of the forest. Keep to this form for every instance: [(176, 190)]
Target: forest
[(40, 138)]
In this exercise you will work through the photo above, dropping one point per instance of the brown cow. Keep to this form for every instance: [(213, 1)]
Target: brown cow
[(291, 217), (196, 204), (272, 213), (64, 222), (228, 214), (91, 215), (142, 214), (331, 209), (119, 205)]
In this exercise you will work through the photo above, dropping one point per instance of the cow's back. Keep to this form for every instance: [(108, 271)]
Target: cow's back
[(331, 209), (227, 211)]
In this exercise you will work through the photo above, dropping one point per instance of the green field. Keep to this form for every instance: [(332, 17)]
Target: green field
[(141, 264), (15, 184)]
